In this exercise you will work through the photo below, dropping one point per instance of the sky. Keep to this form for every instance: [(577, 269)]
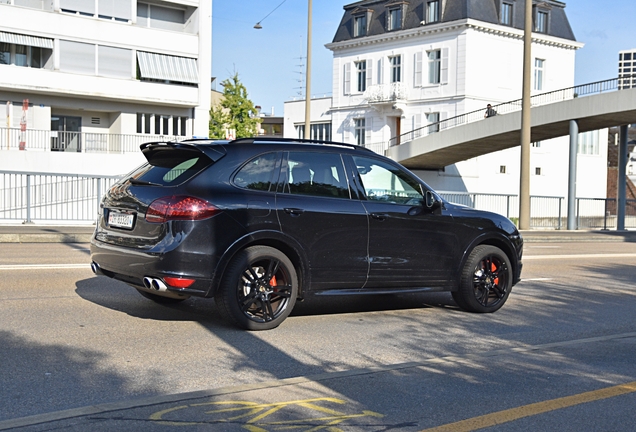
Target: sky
[(268, 60)]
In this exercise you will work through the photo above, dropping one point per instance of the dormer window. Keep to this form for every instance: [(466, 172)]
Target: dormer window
[(361, 19), (506, 14), (360, 25), (541, 18), (395, 18), (432, 11)]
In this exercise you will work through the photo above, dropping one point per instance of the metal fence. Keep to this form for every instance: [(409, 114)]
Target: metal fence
[(550, 212), (70, 198), (81, 142), (512, 106), (27, 197)]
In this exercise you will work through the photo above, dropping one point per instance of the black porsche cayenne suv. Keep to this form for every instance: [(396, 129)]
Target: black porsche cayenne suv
[(260, 223)]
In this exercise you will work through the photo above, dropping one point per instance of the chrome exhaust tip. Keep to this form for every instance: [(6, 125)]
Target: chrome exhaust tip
[(147, 282), (158, 285), (95, 268)]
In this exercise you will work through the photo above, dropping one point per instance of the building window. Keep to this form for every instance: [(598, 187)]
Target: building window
[(433, 121), (502, 169), (359, 131), (396, 68), (432, 11), (360, 26), (539, 72), (536, 144), (588, 143), (395, 19), (361, 70), (22, 55), (318, 131), (146, 121), (434, 66), (541, 23), (506, 13), (537, 171)]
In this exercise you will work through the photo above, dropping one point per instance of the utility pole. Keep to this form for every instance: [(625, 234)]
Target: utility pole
[(524, 184), (308, 76)]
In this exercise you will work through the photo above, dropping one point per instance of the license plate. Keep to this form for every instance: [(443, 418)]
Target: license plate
[(120, 220)]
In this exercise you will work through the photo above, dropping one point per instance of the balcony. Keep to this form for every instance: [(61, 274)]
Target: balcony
[(76, 142), (386, 93)]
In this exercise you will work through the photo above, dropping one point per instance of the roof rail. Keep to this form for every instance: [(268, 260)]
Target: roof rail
[(256, 140)]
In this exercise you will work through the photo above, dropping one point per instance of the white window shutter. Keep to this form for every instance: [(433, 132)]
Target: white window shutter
[(368, 129), (347, 78), (417, 78), (444, 66), (369, 73), (417, 124), (381, 70), (443, 116)]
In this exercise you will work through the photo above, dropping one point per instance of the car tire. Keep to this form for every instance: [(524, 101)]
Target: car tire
[(161, 299), (259, 288), (486, 280)]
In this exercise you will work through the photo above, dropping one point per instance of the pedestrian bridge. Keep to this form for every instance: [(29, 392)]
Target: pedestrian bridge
[(471, 135)]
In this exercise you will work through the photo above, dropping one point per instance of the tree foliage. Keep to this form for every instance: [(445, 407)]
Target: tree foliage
[(236, 112)]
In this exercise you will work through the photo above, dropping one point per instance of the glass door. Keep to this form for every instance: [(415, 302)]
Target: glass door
[(66, 133)]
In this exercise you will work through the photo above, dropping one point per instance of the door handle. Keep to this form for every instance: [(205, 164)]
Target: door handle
[(379, 216), (294, 211)]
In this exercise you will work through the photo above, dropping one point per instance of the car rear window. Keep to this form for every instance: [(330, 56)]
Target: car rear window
[(171, 167)]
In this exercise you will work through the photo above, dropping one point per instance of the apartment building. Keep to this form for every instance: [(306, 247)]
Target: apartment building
[(99, 77)]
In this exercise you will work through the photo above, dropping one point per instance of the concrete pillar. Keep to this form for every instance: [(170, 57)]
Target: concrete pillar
[(574, 141), (622, 167)]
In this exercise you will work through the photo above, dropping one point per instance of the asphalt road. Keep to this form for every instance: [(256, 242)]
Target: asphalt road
[(81, 352)]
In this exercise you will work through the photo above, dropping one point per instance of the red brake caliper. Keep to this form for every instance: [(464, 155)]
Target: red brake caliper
[(493, 267), (272, 282)]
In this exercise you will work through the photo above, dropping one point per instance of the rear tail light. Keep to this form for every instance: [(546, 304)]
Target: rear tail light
[(179, 207), (180, 283)]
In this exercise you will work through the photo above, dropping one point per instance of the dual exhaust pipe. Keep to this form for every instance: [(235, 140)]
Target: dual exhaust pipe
[(149, 282), (155, 284)]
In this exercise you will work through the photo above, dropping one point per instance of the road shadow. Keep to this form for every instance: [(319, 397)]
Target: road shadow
[(55, 376), (121, 297)]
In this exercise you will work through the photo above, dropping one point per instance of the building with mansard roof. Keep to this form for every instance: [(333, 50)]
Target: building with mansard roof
[(399, 65)]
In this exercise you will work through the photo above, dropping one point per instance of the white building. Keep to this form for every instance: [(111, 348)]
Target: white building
[(400, 65), (100, 77)]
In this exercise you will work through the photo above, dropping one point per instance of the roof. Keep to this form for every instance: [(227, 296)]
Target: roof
[(453, 10)]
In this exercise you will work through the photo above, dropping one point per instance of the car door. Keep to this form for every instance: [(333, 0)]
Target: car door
[(315, 207), (410, 244)]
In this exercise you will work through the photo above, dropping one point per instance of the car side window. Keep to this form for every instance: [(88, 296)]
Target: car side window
[(257, 173), (317, 174), (387, 183)]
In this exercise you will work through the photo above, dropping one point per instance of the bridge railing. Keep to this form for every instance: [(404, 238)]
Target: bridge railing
[(515, 105)]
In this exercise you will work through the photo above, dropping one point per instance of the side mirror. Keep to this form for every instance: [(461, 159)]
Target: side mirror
[(431, 200)]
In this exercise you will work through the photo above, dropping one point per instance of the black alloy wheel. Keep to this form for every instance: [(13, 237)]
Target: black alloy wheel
[(486, 280), (259, 289)]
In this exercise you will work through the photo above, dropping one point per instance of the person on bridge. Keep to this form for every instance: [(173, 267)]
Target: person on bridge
[(490, 111)]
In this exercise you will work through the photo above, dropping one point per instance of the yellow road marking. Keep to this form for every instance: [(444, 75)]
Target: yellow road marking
[(513, 414)]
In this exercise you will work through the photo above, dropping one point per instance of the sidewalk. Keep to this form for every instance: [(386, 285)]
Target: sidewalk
[(83, 234)]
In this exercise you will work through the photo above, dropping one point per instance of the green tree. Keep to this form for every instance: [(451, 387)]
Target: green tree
[(218, 122), (237, 112)]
